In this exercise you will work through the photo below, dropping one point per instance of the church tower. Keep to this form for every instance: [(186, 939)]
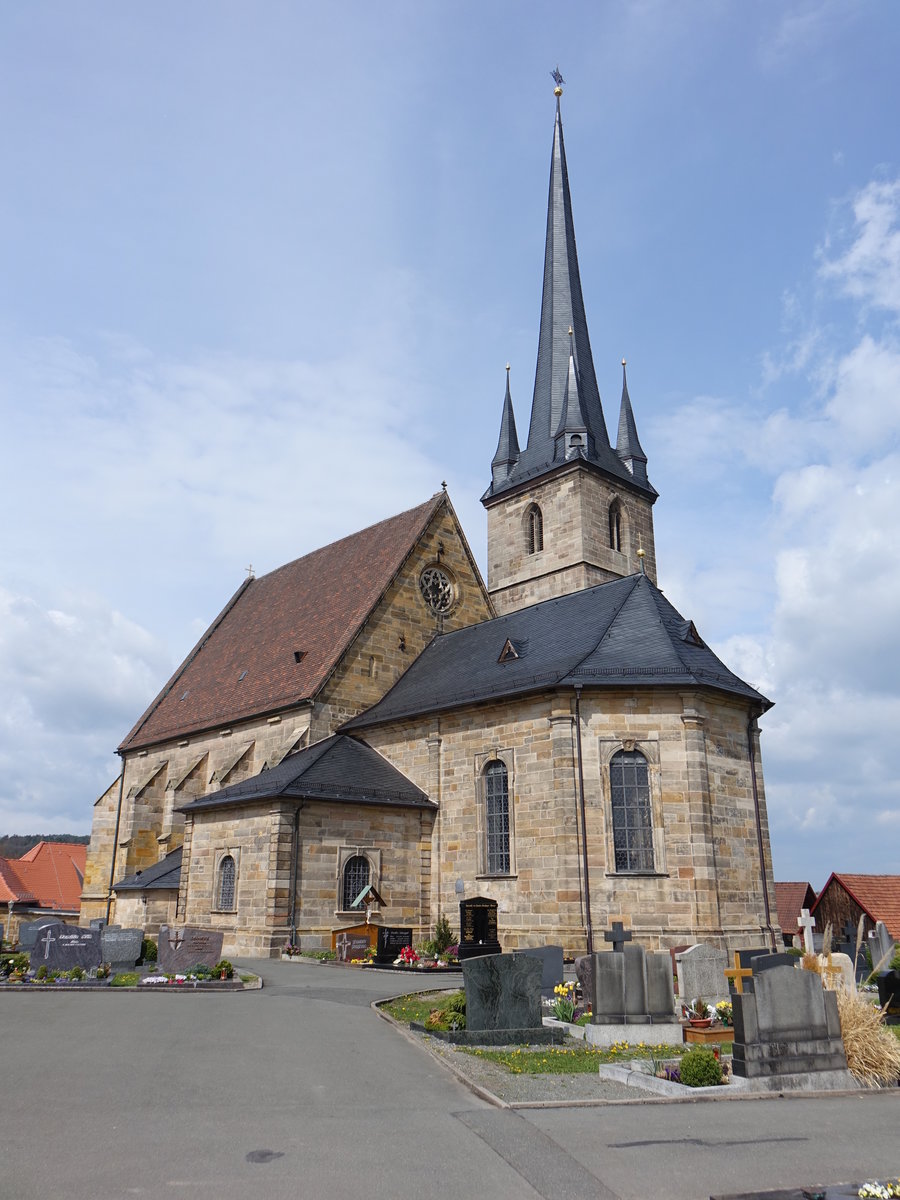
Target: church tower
[(567, 511)]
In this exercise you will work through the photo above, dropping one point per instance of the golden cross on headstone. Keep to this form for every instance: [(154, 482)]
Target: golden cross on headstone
[(737, 974)]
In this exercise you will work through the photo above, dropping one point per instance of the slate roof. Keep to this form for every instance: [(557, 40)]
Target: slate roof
[(163, 875), (50, 875), (624, 633), (789, 899), (562, 308), (245, 664), (338, 769), (877, 895)]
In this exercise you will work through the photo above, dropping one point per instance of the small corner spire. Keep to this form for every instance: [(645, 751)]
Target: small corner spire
[(507, 453), (628, 446)]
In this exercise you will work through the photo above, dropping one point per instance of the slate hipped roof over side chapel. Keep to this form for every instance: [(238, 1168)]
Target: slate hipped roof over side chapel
[(343, 713)]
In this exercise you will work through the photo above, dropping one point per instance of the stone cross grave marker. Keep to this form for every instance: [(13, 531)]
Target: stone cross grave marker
[(737, 974), (61, 947), (182, 947), (807, 924), (618, 935)]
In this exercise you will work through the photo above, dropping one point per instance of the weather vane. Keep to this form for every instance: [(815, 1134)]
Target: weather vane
[(557, 78)]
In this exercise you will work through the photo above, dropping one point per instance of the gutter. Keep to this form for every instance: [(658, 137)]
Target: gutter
[(295, 871), (587, 882), (759, 835)]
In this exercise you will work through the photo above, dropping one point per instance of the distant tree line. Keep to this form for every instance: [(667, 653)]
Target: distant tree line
[(14, 845)]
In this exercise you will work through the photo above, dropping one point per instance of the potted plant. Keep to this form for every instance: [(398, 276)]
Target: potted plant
[(698, 1013)]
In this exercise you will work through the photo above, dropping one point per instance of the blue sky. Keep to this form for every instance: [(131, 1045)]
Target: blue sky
[(262, 267)]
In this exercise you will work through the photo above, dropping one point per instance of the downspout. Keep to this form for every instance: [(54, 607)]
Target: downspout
[(759, 834), (587, 882), (295, 871), (112, 865)]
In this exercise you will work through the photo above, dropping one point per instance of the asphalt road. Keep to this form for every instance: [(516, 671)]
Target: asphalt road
[(301, 1091)]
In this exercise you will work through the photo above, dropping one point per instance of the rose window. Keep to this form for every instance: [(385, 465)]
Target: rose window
[(437, 590)]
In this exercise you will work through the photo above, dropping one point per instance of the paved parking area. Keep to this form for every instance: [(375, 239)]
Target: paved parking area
[(300, 1090)]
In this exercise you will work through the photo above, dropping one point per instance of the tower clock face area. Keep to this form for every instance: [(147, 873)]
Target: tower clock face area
[(437, 590)]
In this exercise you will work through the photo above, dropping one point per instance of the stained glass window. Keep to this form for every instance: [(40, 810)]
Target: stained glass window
[(227, 875), (496, 804)]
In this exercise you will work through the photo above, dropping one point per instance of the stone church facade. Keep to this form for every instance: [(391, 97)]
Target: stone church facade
[(562, 741)]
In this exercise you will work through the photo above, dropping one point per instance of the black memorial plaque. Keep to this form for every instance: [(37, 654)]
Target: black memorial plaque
[(182, 947), (478, 927), (60, 947), (391, 941)]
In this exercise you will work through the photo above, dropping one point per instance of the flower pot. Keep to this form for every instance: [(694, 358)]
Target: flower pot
[(700, 1022)]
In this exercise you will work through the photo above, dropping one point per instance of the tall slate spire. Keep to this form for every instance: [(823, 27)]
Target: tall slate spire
[(628, 447), (507, 453), (563, 339)]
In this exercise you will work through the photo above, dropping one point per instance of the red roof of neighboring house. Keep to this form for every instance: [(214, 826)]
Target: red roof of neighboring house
[(878, 895), (50, 875), (789, 899), (246, 662)]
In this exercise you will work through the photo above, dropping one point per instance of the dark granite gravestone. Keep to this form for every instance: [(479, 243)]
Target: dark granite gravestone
[(633, 988), (121, 948), (182, 947), (99, 923), (584, 973), (478, 928), (787, 1034), (29, 930), (391, 941), (551, 966), (503, 992), (889, 993), (60, 947), (745, 958), (765, 962)]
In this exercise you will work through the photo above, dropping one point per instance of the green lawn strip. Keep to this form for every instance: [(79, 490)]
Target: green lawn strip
[(565, 1060), (415, 1008)]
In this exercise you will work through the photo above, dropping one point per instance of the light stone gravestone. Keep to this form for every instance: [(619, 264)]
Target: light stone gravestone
[(787, 1034), (61, 947), (552, 966), (838, 974), (182, 947), (701, 972), (121, 948), (881, 947)]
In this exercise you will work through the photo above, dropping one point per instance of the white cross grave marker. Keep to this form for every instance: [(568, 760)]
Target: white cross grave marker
[(341, 945), (807, 924), (47, 942)]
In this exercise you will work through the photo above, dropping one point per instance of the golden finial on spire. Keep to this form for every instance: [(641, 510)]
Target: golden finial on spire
[(558, 80), (507, 368), (624, 363)]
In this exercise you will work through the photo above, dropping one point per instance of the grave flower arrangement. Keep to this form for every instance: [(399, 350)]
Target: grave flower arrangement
[(698, 1010), (724, 1012), (408, 957), (879, 1191), (563, 1007)]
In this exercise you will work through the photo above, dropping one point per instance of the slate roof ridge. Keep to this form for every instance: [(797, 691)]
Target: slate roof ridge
[(328, 656), (633, 579)]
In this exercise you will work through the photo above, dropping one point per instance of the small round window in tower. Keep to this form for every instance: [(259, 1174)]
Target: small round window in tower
[(437, 590)]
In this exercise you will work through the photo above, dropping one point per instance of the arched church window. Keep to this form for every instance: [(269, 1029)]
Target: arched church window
[(225, 886), (534, 525), (615, 526), (356, 877), (631, 811), (496, 818)]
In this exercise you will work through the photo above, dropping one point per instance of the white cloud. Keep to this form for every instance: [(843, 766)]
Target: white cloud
[(869, 269)]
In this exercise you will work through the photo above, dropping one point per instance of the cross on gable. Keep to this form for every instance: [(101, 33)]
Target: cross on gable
[(618, 935), (737, 974), (807, 924)]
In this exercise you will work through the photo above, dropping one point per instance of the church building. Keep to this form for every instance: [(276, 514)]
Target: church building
[(561, 741)]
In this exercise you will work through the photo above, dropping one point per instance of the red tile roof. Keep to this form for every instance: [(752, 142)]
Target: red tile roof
[(245, 664), (50, 875), (878, 895), (789, 899)]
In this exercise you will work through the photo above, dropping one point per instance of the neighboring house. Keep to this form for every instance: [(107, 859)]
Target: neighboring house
[(790, 898), (47, 881), (363, 716), (846, 898)]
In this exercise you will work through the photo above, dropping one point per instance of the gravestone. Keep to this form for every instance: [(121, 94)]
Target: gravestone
[(29, 930), (633, 998), (391, 941), (807, 924), (889, 993), (503, 992), (584, 973), (765, 962), (552, 966), (787, 1034), (744, 962), (701, 972), (881, 947), (121, 948), (182, 947), (61, 947), (99, 923), (837, 972), (353, 941), (478, 928)]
